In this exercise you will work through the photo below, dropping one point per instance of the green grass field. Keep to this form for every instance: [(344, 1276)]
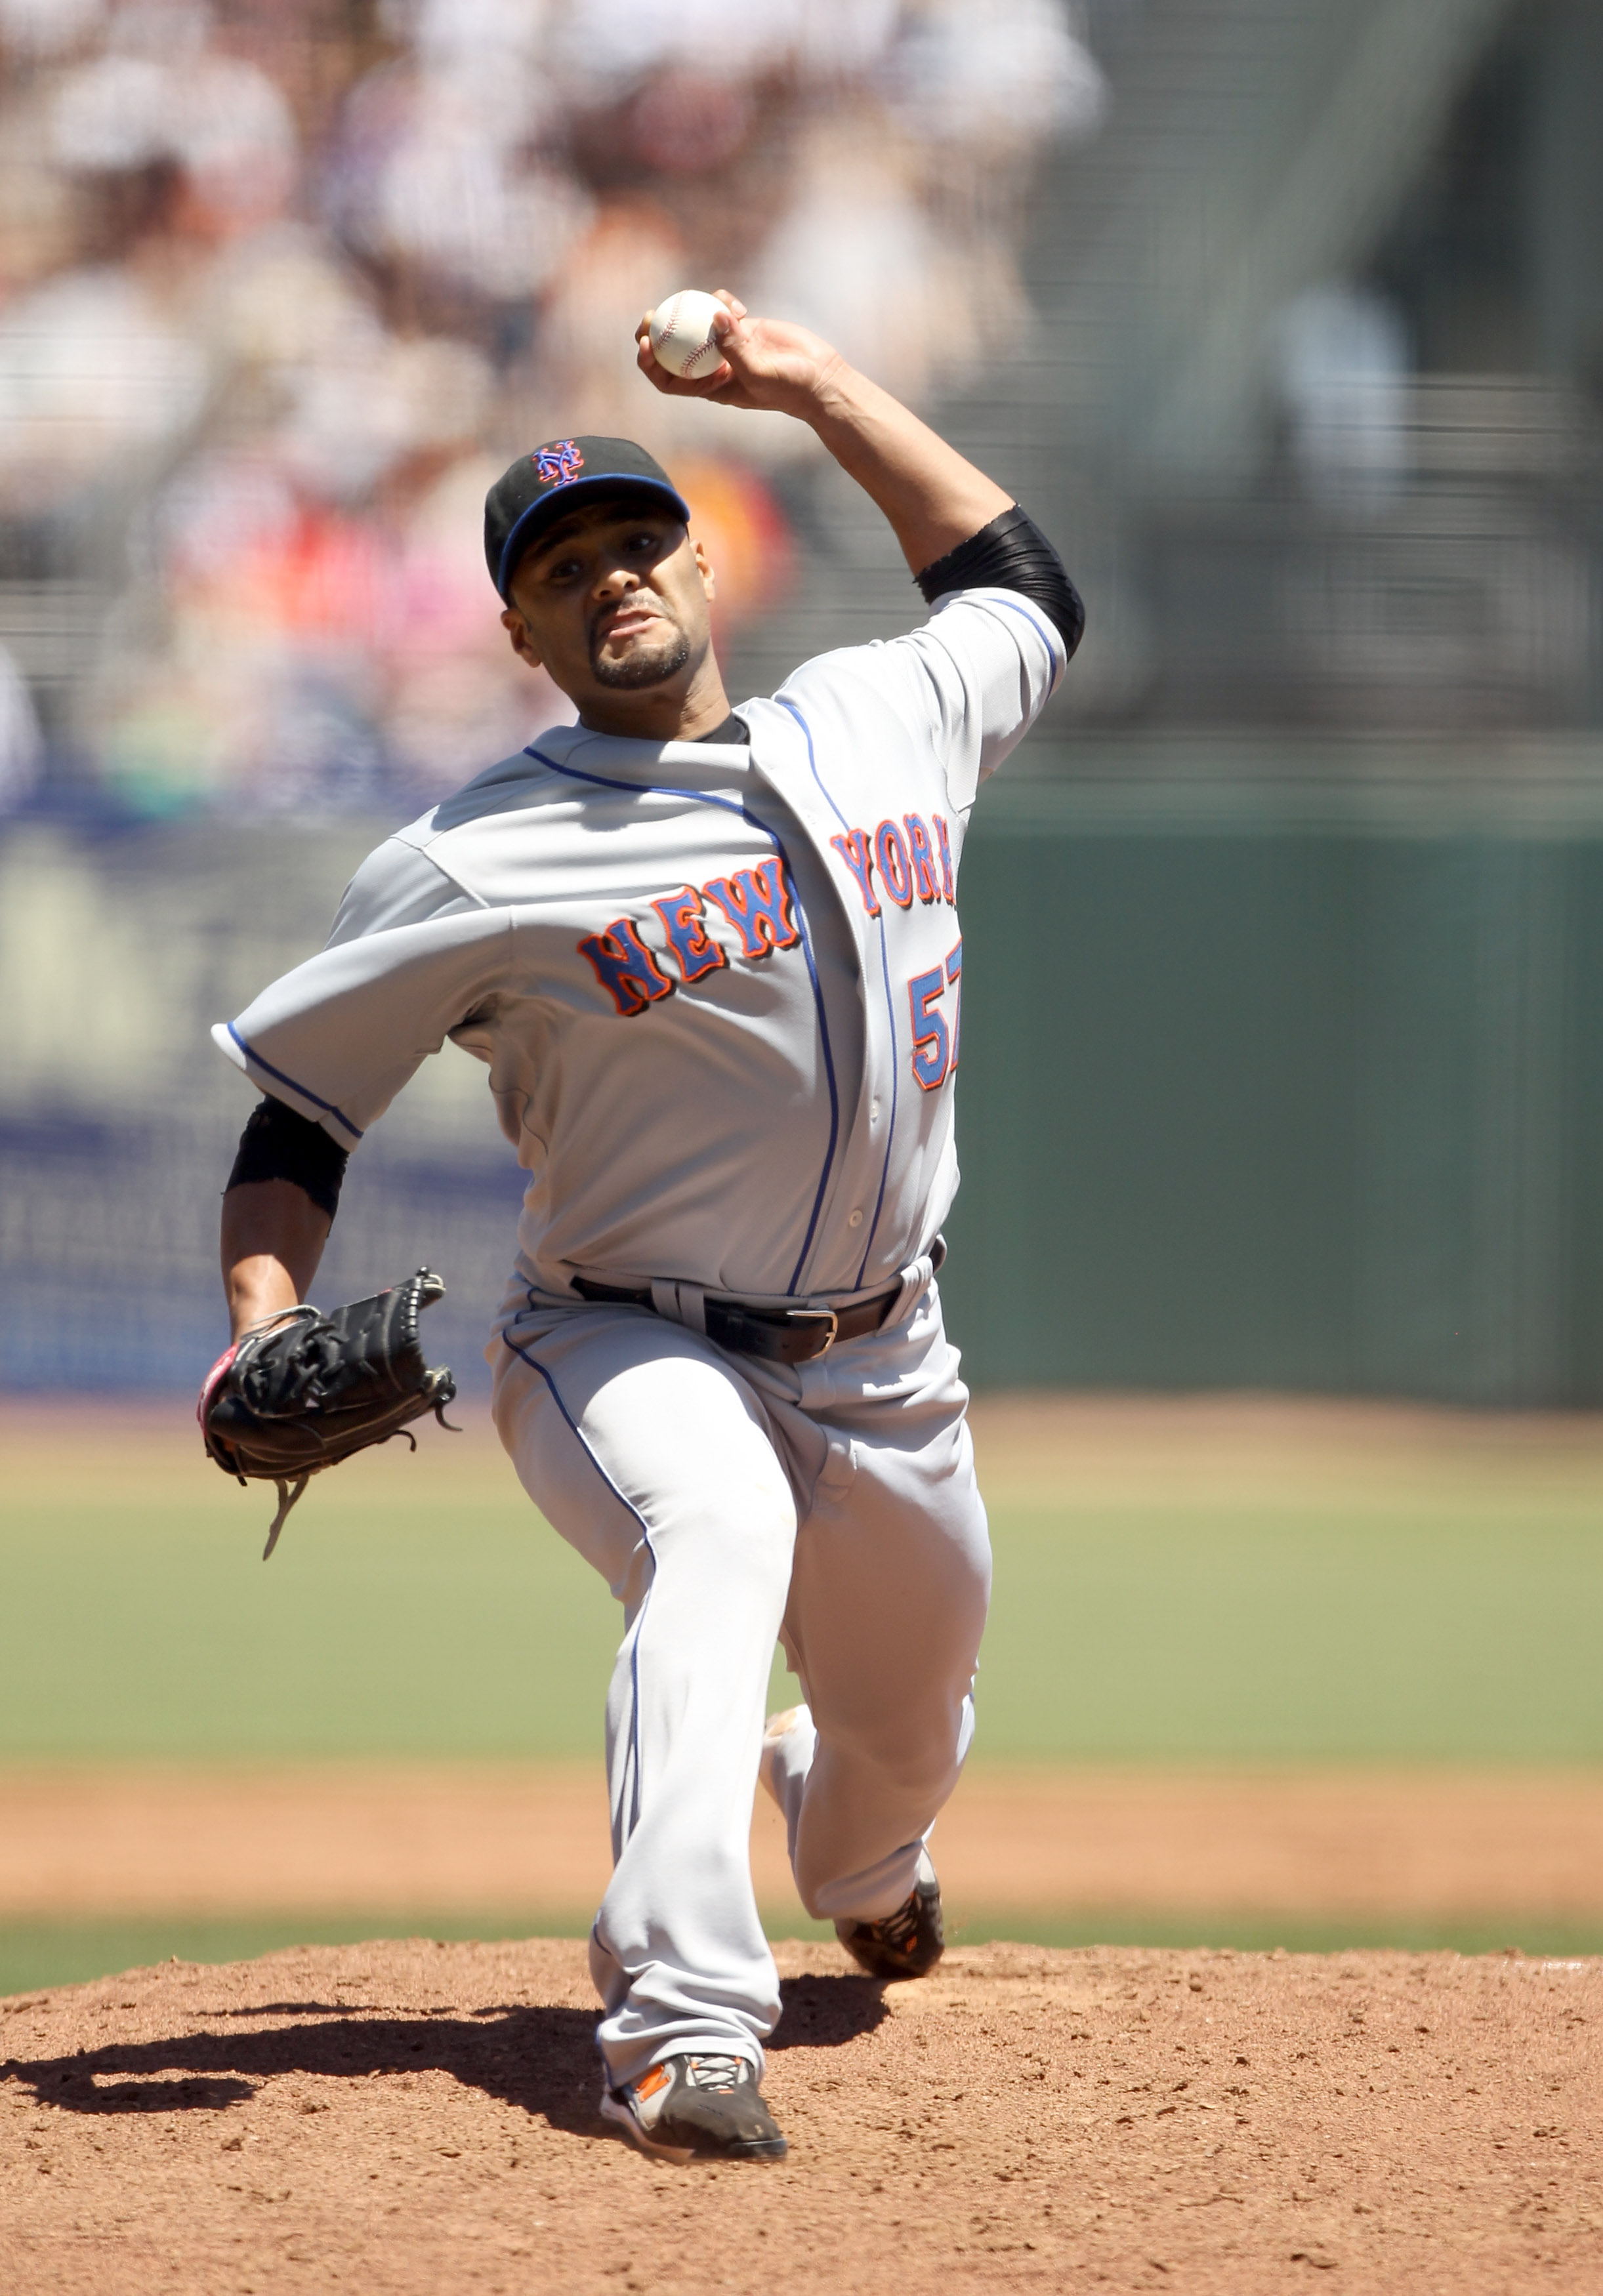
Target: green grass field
[(1441, 1605), (1451, 1610), (38, 1955)]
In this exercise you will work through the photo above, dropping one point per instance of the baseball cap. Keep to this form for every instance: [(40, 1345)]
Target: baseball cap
[(546, 484)]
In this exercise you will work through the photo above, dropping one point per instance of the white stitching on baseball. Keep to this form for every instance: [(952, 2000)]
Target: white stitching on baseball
[(701, 361)]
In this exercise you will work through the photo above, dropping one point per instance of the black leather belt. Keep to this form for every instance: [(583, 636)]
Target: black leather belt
[(788, 1335)]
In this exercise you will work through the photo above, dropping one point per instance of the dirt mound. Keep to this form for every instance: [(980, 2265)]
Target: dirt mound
[(409, 2117)]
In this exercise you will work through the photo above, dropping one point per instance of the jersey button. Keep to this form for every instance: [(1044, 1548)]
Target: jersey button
[(854, 1219)]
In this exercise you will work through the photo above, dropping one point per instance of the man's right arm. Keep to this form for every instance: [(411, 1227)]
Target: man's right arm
[(1011, 554), (958, 529), (933, 496)]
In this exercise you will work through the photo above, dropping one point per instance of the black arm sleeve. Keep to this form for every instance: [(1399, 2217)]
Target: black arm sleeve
[(277, 1145), (1011, 554)]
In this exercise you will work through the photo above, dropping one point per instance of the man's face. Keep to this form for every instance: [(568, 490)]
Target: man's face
[(613, 599)]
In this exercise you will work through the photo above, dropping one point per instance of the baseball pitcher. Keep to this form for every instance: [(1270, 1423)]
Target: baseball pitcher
[(711, 960)]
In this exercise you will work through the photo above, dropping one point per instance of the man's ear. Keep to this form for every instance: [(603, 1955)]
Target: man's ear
[(522, 645), (703, 567)]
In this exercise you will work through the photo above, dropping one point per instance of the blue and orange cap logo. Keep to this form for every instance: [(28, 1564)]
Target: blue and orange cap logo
[(556, 465)]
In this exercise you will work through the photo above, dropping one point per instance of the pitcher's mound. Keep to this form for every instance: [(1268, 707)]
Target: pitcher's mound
[(421, 2118)]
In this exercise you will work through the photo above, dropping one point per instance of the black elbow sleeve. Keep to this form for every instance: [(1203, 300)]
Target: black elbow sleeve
[(1011, 554), (278, 1145)]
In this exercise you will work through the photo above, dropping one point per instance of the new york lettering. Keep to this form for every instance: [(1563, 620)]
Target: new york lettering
[(756, 901), (905, 858)]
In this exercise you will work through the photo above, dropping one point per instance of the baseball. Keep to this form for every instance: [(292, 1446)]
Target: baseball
[(681, 334)]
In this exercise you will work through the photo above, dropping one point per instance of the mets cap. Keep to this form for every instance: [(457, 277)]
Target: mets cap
[(546, 485)]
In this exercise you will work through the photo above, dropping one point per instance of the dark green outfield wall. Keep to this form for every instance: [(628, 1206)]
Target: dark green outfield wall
[(1280, 1068), (1282, 1088)]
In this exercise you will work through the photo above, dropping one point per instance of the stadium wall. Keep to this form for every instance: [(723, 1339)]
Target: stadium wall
[(1279, 1070)]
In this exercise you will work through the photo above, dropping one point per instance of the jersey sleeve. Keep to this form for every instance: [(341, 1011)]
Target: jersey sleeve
[(410, 956), (398, 884), (990, 662), (974, 677)]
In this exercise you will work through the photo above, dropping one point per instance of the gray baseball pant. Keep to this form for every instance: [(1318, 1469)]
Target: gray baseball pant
[(729, 1503)]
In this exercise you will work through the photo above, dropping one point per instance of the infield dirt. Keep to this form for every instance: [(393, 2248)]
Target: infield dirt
[(1411, 1847), (416, 2117)]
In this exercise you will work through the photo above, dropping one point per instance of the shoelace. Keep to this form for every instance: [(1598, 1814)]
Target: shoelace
[(899, 1929), (720, 2074)]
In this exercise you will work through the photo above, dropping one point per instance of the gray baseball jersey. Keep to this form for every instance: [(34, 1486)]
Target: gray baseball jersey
[(717, 989)]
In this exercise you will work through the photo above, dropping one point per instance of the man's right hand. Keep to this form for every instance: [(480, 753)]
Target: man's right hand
[(933, 496), (767, 363)]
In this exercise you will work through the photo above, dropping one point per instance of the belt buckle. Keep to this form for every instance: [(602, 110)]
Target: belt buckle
[(813, 1319)]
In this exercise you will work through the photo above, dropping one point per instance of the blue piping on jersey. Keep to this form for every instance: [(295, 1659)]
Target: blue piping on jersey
[(1017, 606), (884, 960), (279, 1077), (534, 1363), (728, 804)]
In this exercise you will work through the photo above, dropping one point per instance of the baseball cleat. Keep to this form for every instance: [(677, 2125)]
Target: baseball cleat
[(906, 1943), (695, 2105)]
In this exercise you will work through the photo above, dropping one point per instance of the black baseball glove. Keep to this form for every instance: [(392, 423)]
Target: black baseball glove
[(303, 1390)]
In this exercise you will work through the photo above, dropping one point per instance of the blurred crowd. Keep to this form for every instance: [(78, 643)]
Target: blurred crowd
[(283, 284)]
